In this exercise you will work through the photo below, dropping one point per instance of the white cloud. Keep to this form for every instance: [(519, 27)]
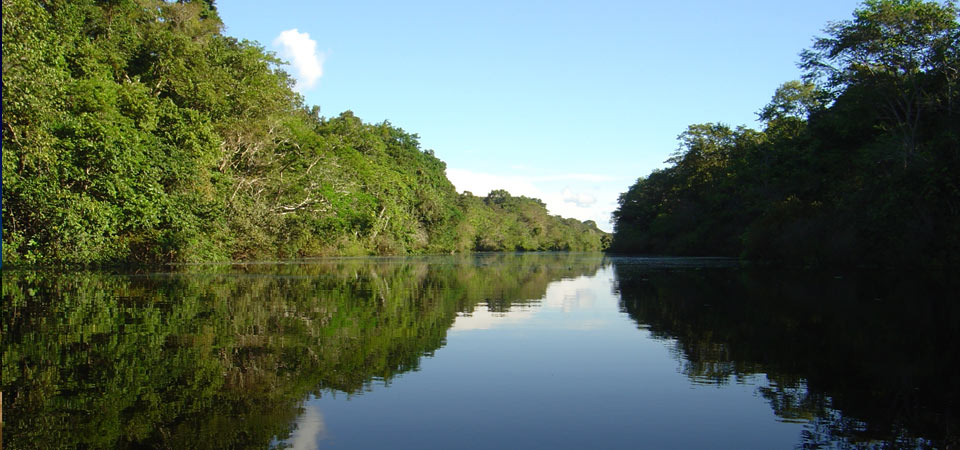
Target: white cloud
[(572, 294), (577, 177), (483, 319), (311, 429), (301, 52), (578, 198)]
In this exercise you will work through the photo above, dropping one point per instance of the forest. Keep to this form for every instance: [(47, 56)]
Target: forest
[(858, 163), (135, 132)]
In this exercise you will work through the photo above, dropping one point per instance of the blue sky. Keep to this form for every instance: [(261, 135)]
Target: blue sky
[(567, 101)]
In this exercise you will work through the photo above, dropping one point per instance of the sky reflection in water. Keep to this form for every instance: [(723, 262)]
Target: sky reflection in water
[(480, 351), (569, 370)]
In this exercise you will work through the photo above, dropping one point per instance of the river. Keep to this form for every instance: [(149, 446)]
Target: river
[(536, 350)]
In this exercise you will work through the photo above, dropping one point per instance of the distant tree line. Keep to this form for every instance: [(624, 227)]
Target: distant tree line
[(135, 132), (858, 163)]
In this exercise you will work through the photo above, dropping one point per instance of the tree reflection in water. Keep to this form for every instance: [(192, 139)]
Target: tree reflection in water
[(223, 356), (867, 360)]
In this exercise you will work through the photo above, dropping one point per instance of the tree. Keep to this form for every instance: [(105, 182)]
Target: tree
[(794, 99), (897, 49), (135, 131)]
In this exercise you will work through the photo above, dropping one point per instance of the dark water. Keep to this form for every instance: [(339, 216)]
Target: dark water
[(488, 351)]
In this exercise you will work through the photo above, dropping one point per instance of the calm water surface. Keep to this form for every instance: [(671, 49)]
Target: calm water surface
[(483, 351)]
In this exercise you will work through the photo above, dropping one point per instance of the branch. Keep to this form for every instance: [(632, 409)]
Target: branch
[(287, 209)]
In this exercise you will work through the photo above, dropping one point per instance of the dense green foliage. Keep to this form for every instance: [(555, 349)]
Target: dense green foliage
[(866, 360), (219, 356), (860, 162), (501, 222), (134, 131)]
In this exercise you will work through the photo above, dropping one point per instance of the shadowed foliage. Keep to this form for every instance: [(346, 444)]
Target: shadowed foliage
[(865, 360), (856, 164)]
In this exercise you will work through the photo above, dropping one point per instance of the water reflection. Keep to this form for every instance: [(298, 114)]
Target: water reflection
[(569, 295), (866, 360), (517, 378), (485, 351), (310, 430), (223, 356)]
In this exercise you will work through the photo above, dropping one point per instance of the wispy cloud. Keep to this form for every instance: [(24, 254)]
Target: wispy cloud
[(311, 429), (301, 52), (483, 319), (578, 198), (576, 177)]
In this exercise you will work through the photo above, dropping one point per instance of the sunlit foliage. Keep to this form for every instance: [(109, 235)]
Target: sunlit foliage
[(135, 132)]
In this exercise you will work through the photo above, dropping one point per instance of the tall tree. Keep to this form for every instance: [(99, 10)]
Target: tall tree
[(898, 49)]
